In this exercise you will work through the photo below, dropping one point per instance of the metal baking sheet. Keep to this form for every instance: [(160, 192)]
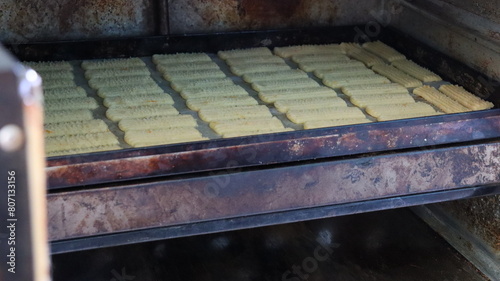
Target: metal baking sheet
[(214, 155)]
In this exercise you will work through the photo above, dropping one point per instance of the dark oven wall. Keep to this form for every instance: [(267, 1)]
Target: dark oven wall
[(26, 21)]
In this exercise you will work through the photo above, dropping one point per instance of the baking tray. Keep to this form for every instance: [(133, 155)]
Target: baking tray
[(281, 148)]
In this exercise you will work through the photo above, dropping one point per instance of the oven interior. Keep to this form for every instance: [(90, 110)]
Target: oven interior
[(459, 40)]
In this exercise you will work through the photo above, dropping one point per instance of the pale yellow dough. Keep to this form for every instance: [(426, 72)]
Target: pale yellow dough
[(415, 70), (380, 99), (397, 76), (130, 90), (440, 100), (159, 122), (355, 80), (214, 91), (400, 109), (138, 100), (264, 86), (274, 75), (112, 63), (73, 103), (200, 83), (245, 125), (465, 98), (216, 102), (262, 67), (64, 93), (117, 72), (80, 141), (58, 116), (150, 137), (334, 122), (384, 51), (391, 88), (119, 113), (300, 116), (75, 127), (309, 103), (234, 112), (297, 93)]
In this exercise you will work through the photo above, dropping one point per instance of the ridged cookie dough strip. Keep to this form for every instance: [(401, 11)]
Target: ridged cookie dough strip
[(57, 116), (415, 70), (97, 83), (263, 67), (117, 72), (130, 90), (254, 59), (229, 90), (274, 75), (308, 58), (355, 80), (388, 117), (180, 58), (319, 65), (112, 63), (349, 66), (289, 51), (362, 55), (200, 83), (213, 102), (378, 99), (234, 112), (238, 53), (397, 76), (73, 103), (150, 137), (50, 66), (174, 76), (242, 125), (82, 150), (399, 109), (80, 141), (465, 98), (55, 84), (138, 100), (196, 65), (253, 133), (440, 100), (300, 116), (391, 88), (159, 122), (57, 74), (75, 127), (119, 113), (287, 94), (351, 73), (308, 103), (264, 86), (384, 51), (240, 92), (334, 122), (64, 93)]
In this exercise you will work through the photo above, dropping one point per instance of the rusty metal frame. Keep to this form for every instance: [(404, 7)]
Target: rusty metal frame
[(245, 222), (23, 231), (232, 194)]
